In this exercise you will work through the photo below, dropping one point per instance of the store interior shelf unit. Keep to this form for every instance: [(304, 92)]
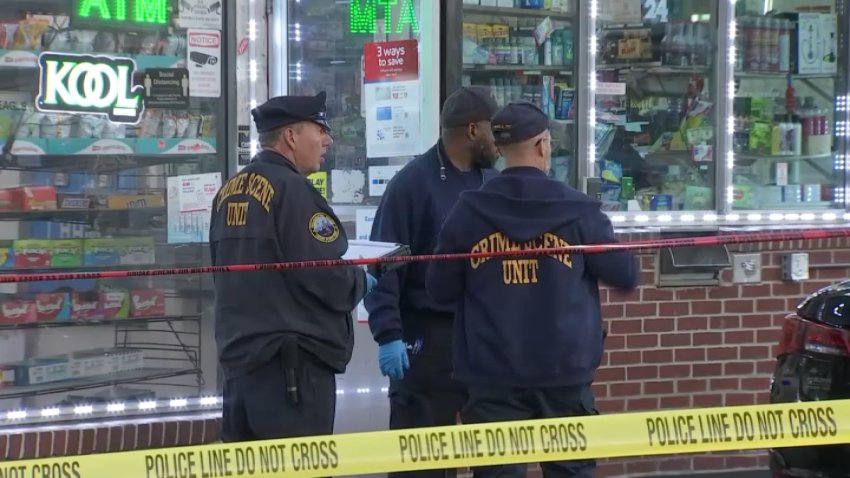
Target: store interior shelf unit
[(133, 376)]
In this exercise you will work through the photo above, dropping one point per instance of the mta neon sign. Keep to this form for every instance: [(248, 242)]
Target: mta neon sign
[(363, 15)]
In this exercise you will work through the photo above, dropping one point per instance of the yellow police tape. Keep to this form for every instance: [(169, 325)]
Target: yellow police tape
[(604, 436)]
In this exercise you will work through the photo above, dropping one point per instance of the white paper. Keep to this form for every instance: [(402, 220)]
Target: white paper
[(379, 177), (190, 201), (347, 186), (609, 88), (200, 14), (203, 59), (363, 223), (392, 119)]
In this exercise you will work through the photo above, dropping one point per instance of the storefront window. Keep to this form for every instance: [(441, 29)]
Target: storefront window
[(371, 60), (112, 134), (786, 152), (526, 51), (655, 105)]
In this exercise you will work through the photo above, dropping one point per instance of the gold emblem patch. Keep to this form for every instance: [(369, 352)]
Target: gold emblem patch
[(323, 227)]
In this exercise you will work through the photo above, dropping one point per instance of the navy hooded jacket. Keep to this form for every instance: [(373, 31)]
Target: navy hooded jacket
[(532, 321), (411, 212)]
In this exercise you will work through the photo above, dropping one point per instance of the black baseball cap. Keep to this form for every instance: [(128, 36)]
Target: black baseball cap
[(469, 104), (518, 122), (285, 110)]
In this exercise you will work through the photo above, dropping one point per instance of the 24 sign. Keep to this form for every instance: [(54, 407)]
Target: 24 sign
[(89, 84)]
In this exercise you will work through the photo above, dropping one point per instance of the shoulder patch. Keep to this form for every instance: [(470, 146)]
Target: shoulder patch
[(323, 227)]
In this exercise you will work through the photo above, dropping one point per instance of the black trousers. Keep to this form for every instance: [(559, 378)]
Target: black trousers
[(496, 404), (256, 406), (426, 396)]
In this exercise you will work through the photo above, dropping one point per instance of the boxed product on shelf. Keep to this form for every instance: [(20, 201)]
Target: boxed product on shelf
[(7, 375), (42, 370), (17, 311), (73, 201), (52, 306), (67, 253), (115, 304), (33, 252), (104, 361), (129, 201), (137, 251), (35, 198), (147, 303), (806, 44), (85, 305), (7, 200), (7, 254), (829, 43), (102, 252)]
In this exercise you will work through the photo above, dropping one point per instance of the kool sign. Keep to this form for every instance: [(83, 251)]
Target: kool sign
[(89, 84)]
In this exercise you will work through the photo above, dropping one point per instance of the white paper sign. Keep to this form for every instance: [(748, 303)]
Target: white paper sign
[(392, 124), (363, 223), (200, 14), (379, 177), (190, 200), (203, 59)]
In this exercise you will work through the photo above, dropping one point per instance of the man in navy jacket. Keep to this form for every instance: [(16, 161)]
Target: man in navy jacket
[(528, 330), (414, 332)]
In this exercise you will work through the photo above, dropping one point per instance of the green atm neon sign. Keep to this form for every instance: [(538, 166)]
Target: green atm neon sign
[(144, 12), (363, 15)]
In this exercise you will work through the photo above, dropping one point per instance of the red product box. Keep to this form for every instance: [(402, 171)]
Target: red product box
[(85, 305), (115, 304), (36, 198), (7, 376), (17, 311), (147, 302), (52, 306), (8, 200)]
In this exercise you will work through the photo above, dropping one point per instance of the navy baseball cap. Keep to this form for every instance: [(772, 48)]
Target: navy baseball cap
[(285, 110), (518, 122), (469, 104)]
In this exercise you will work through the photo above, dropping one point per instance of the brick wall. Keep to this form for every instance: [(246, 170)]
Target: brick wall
[(671, 348), (102, 437)]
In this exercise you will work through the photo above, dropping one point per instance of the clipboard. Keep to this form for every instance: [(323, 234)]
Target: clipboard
[(373, 249)]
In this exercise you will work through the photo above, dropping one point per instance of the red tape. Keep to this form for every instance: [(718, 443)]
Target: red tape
[(583, 249)]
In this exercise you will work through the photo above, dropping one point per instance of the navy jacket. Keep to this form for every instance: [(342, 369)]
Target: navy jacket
[(269, 213), (533, 321), (411, 212)]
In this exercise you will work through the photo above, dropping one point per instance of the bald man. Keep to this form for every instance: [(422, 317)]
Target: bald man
[(528, 330)]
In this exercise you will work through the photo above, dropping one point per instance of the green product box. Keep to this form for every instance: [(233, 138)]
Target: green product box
[(137, 251), (67, 253), (102, 252)]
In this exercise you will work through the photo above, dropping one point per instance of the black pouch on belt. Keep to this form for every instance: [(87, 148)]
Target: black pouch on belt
[(289, 362)]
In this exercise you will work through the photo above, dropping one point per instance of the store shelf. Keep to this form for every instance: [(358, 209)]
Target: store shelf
[(754, 157), (141, 375), (77, 215), (97, 164), (783, 76), (516, 12), (655, 68), (527, 69), (98, 322)]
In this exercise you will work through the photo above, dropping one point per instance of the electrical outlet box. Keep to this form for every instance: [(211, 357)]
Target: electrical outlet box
[(795, 266), (746, 268)]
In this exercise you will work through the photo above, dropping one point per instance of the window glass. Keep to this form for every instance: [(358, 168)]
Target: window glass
[(112, 143), (787, 155), (368, 57), (525, 50), (656, 104)]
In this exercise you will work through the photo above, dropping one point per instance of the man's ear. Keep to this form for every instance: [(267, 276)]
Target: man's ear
[(472, 131)]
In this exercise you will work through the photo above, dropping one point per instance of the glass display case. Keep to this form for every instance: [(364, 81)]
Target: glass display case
[(788, 141), (653, 141), (381, 74), (113, 134), (524, 50)]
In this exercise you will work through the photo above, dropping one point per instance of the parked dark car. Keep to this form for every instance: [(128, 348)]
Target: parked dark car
[(814, 364)]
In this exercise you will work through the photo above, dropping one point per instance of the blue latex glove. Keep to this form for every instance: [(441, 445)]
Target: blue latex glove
[(393, 359), (371, 282)]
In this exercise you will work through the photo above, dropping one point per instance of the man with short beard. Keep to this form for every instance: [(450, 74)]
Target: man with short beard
[(413, 332)]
